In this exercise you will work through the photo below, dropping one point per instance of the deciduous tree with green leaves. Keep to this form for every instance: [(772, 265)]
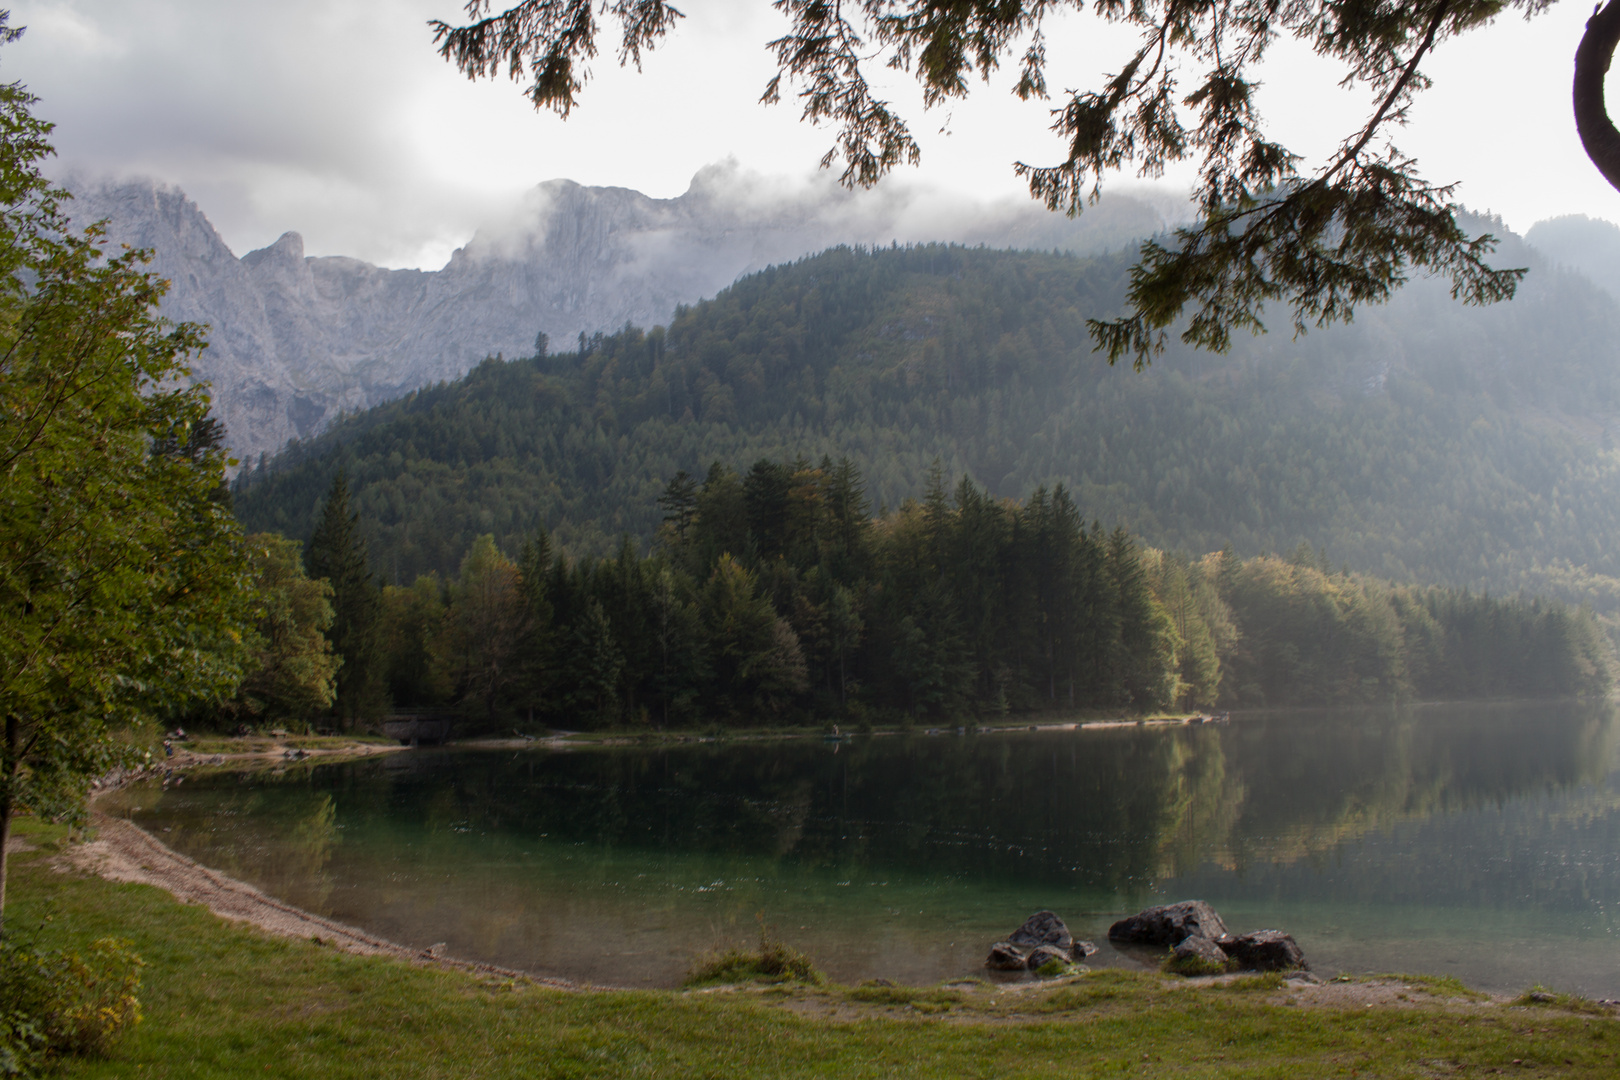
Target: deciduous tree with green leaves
[(1319, 239), (123, 582), (293, 672)]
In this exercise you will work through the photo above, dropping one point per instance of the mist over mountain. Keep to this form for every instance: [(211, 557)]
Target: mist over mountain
[(1427, 441), (298, 340), (1589, 245)]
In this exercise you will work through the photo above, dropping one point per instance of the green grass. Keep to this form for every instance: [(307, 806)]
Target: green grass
[(923, 999), (1541, 997), (1444, 986), (223, 1000)]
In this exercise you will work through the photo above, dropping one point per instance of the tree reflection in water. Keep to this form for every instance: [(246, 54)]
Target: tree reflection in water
[(892, 842)]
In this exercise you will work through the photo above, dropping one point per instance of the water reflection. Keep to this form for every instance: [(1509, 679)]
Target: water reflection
[(1367, 834)]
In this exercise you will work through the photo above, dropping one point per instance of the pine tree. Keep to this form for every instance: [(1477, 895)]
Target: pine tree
[(679, 504), (536, 652), (1145, 660), (765, 497), (849, 520), (337, 553), (681, 668)]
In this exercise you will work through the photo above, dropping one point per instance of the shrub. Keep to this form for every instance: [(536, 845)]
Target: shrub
[(775, 961), (1540, 995), (58, 1003), (1192, 966), (1055, 968)]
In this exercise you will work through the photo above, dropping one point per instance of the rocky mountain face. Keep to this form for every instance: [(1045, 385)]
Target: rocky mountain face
[(296, 340)]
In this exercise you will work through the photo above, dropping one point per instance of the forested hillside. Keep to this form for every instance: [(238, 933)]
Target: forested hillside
[(1428, 442), (775, 596)]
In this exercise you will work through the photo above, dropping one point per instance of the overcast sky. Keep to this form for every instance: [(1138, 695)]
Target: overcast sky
[(337, 119)]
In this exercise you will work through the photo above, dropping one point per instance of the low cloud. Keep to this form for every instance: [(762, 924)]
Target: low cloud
[(338, 119)]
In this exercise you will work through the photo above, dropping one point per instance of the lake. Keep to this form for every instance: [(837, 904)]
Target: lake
[(1480, 841)]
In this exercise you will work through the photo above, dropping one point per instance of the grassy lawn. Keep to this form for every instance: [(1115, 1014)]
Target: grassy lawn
[(224, 1000)]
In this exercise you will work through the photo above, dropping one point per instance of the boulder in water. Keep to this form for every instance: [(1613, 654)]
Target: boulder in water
[(1005, 957), (1043, 937), (1197, 955), (1266, 950), (1170, 924), (1042, 928)]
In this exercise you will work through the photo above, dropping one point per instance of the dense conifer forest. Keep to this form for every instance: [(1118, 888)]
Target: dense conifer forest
[(775, 596), (1427, 443)]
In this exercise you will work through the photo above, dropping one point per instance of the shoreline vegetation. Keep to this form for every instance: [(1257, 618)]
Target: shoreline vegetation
[(225, 997), (206, 748), (778, 598)]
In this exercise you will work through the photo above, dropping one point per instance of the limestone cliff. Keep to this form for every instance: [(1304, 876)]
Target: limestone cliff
[(296, 340)]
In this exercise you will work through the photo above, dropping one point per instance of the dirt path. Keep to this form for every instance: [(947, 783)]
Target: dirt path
[(122, 851)]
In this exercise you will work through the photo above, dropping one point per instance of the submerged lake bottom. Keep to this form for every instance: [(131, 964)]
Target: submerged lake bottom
[(1481, 842)]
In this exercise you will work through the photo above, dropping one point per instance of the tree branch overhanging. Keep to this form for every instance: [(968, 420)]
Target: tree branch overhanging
[(1592, 59), (1348, 235)]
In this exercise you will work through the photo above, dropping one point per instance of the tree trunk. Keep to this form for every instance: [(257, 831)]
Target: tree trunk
[(8, 802), (1592, 58), (5, 837)]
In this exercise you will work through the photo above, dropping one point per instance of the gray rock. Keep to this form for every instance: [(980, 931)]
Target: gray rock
[(1170, 924), (1198, 947), (1266, 950), (1005, 957), (1043, 934), (1042, 928)]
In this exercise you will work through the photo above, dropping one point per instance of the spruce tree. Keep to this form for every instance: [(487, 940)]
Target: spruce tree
[(337, 553), (679, 504), (536, 653)]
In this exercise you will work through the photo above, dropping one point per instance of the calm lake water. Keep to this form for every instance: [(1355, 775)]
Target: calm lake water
[(1481, 842)]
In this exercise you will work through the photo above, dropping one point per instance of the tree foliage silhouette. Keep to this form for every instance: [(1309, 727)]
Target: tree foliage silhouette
[(1319, 240), (123, 581)]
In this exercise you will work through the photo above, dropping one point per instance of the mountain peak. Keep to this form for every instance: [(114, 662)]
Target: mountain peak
[(297, 340), (289, 247)]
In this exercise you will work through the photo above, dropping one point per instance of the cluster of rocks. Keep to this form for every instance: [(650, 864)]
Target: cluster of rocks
[(1042, 939), (1192, 930)]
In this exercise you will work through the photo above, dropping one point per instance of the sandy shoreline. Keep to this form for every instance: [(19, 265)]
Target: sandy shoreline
[(122, 851)]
